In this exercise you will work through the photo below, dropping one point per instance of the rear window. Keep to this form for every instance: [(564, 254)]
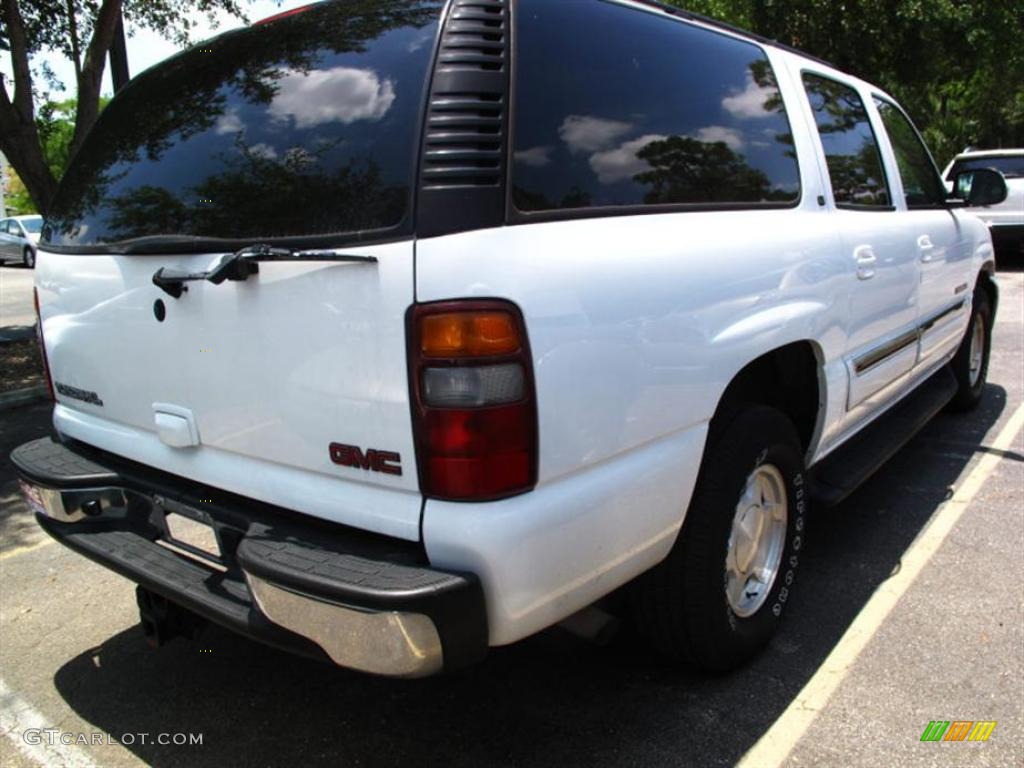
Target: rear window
[(296, 130), (642, 110), (1010, 167)]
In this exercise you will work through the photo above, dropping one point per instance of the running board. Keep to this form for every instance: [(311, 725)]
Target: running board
[(841, 472)]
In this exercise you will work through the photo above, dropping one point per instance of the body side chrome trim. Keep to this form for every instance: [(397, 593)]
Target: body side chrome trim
[(882, 353)]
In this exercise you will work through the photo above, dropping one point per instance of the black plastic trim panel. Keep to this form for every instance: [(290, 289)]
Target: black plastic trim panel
[(50, 463), (462, 170)]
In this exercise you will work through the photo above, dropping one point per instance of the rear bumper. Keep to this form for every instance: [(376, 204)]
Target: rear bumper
[(360, 600)]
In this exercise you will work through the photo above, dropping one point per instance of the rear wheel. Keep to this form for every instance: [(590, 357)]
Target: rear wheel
[(718, 597), (28, 257), (970, 364)]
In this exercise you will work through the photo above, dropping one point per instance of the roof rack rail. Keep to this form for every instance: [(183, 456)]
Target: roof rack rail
[(682, 13)]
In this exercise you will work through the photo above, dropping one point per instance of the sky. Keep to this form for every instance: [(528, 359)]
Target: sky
[(146, 48)]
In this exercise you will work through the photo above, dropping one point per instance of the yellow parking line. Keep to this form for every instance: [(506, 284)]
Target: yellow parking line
[(778, 741), (27, 548)]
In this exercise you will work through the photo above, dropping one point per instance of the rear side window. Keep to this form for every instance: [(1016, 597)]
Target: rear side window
[(922, 186), (303, 127), (851, 150), (1010, 167), (621, 107)]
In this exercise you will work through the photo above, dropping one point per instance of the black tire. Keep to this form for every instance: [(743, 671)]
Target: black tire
[(969, 394), (28, 258), (682, 604)]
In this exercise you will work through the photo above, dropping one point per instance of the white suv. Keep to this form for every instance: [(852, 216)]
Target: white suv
[(1005, 220), (396, 330)]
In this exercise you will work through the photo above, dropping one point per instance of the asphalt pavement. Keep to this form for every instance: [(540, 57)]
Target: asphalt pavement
[(72, 656), (16, 308)]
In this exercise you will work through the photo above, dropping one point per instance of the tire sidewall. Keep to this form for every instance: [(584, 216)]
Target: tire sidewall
[(968, 396), (980, 309), (754, 631), (755, 436), (28, 258)]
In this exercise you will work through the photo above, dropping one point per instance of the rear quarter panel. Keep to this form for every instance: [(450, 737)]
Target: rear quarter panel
[(637, 324)]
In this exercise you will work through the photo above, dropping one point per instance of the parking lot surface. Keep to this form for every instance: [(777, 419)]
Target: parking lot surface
[(866, 659), (16, 297)]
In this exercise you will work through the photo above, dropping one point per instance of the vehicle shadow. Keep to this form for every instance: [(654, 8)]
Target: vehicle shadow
[(552, 699), (17, 525)]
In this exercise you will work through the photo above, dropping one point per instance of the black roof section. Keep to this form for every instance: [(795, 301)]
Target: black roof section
[(682, 13)]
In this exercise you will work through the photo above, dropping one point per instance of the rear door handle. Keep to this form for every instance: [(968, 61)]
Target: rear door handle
[(927, 248), (866, 260)]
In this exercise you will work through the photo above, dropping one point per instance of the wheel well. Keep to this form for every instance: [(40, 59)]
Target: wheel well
[(986, 280), (785, 379)]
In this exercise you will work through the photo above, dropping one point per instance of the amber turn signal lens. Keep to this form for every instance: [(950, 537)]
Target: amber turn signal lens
[(469, 334)]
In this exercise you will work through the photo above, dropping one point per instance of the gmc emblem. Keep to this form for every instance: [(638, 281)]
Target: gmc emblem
[(388, 462)]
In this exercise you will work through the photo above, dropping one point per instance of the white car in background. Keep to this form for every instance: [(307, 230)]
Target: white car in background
[(1006, 220), (19, 238)]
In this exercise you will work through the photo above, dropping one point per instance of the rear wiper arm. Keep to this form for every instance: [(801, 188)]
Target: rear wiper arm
[(241, 264)]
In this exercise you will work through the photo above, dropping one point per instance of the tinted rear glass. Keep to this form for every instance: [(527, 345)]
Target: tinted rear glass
[(307, 126), (641, 109), (1010, 167), (851, 149)]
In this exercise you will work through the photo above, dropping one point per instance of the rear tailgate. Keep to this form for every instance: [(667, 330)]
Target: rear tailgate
[(290, 386), (272, 371)]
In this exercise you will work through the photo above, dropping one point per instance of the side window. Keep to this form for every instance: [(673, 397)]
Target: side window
[(3, 227), (643, 110), (922, 185), (851, 149)]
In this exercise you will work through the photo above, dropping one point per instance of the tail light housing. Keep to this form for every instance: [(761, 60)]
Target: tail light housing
[(473, 400), (42, 344)]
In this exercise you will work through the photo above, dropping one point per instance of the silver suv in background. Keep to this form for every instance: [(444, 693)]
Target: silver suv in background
[(1005, 220), (19, 238)]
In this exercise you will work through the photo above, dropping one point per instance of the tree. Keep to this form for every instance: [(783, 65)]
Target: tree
[(956, 66), (17, 197), (82, 31)]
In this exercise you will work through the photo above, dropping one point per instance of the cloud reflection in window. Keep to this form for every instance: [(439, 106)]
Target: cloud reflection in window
[(340, 94)]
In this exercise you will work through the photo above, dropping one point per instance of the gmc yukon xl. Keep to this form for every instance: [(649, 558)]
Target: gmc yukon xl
[(388, 331)]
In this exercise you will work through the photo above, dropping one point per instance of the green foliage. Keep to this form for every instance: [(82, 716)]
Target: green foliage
[(48, 25), (16, 197), (956, 66)]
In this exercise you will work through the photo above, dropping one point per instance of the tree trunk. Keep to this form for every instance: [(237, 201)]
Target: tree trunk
[(92, 70), (76, 50), (19, 137)]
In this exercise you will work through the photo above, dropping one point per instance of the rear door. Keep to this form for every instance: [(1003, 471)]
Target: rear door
[(884, 271), (938, 238), (290, 386)]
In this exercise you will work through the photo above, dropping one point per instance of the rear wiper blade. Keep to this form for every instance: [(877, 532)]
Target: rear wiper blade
[(245, 262)]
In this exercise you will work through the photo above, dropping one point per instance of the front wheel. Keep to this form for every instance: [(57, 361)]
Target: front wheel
[(970, 364), (28, 258), (718, 597)]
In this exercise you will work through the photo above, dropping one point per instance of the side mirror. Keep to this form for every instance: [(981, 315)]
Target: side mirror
[(980, 188)]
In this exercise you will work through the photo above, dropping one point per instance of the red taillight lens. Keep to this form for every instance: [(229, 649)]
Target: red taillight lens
[(474, 405), (284, 14), (42, 344)]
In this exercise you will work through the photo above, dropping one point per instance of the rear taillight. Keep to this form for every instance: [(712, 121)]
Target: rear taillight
[(284, 14), (474, 405), (42, 343)]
